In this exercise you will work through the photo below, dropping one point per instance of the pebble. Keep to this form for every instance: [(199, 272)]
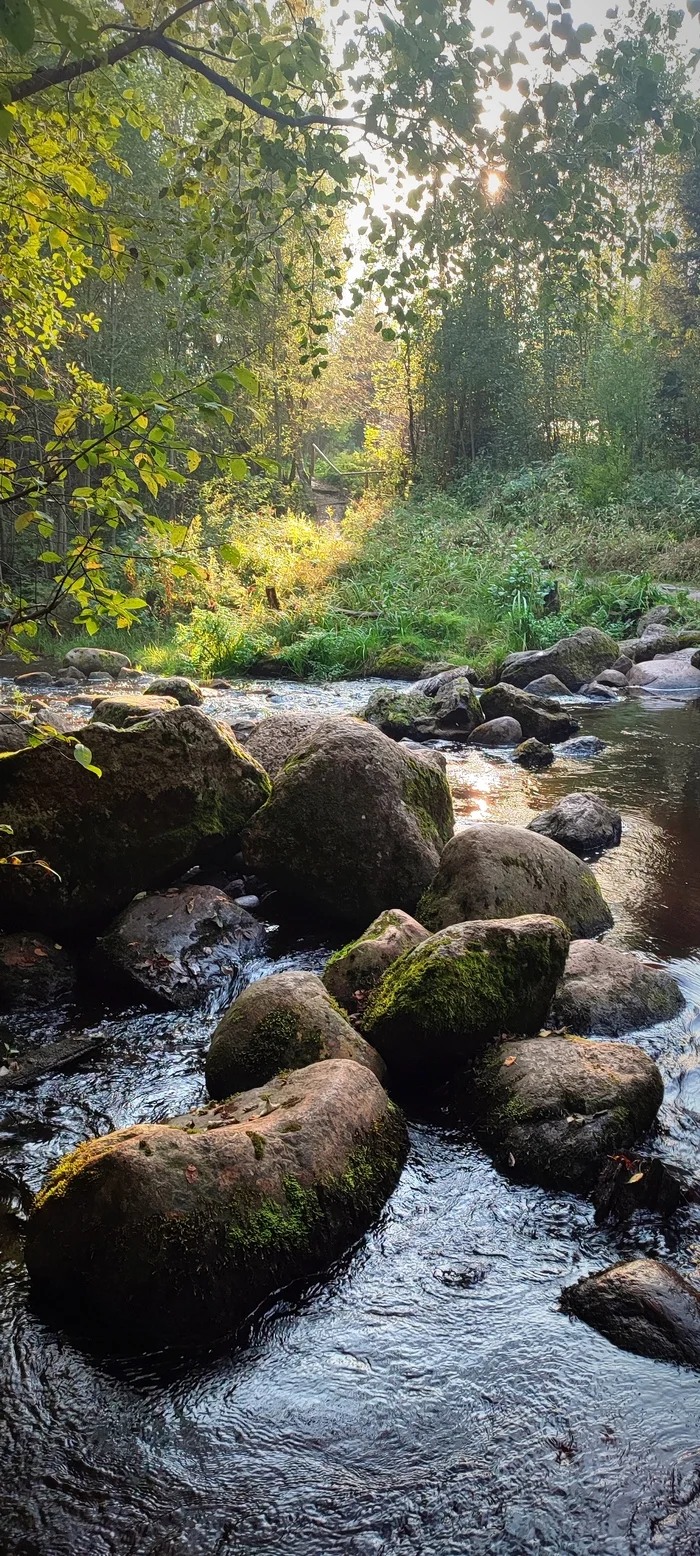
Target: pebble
[(247, 902)]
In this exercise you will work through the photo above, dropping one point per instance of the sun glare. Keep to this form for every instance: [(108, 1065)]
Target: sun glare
[(494, 183)]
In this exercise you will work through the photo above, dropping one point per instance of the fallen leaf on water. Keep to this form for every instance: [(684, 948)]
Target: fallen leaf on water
[(636, 1177), (510, 1060)]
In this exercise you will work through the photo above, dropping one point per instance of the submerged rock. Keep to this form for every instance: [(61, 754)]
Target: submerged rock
[(628, 1183), (643, 1306), (496, 733), (495, 871), (281, 1023), (34, 971), (581, 822), (171, 792), (175, 1232), (538, 718), (583, 747), (185, 692), (553, 1108), (612, 992), (93, 661), (354, 824), (179, 947), (121, 711), (574, 660), (353, 972), (440, 1003), (533, 753)]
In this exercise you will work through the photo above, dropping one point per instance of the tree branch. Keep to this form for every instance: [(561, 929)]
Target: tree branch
[(292, 121)]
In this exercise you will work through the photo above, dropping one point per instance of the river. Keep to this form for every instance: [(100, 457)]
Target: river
[(425, 1397)]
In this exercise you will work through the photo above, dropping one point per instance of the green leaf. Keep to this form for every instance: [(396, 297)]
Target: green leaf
[(246, 379), (4, 827), (83, 755), (17, 24), (230, 554)]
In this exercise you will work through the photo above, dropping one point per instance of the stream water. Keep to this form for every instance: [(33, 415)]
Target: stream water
[(425, 1397)]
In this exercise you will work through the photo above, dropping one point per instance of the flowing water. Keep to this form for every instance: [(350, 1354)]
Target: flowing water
[(425, 1397)]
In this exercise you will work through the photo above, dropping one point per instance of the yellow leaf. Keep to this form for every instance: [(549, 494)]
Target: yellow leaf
[(636, 1177), (193, 459), (149, 481), (65, 420)]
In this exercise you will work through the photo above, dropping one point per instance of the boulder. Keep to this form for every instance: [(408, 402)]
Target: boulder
[(185, 692), (613, 678), (33, 971), (548, 686), (180, 947), (95, 660), (670, 673), (435, 682), (353, 972), (622, 666), (657, 616), (175, 1232), (426, 754), (582, 747), (538, 718), (497, 732), (273, 738), (656, 640), (14, 735), (456, 708), (688, 637), (581, 822), (553, 1108), (440, 1003), (400, 714), (627, 1183), (643, 1306), (399, 661), (70, 677), (32, 679), (354, 823), (493, 871), (574, 660), (598, 692), (122, 712), (611, 992), (281, 1023), (534, 754), (171, 793)]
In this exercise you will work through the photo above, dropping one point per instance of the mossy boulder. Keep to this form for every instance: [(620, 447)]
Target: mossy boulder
[(123, 711), (574, 660), (610, 992), (399, 661), (354, 824), (400, 715), (175, 1232), (494, 871), (172, 792), (552, 1108), (281, 1023), (581, 822), (456, 708), (497, 733), (533, 754), (92, 661), (436, 682), (539, 718), (440, 1003), (274, 738), (186, 693), (643, 1306), (353, 972), (181, 947)]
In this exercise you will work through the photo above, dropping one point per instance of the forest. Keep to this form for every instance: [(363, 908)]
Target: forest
[(250, 258)]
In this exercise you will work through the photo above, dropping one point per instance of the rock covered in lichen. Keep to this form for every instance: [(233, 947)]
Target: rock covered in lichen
[(281, 1023), (440, 1003), (494, 871), (186, 693), (180, 947), (533, 754), (274, 738), (171, 792), (553, 1108), (90, 661), (122, 711), (175, 1232), (574, 659), (643, 1306), (539, 718), (400, 715), (610, 992), (354, 971), (354, 823)]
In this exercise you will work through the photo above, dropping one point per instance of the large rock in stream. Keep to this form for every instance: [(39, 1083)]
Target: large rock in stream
[(175, 1232), (539, 717), (494, 871), (180, 947), (354, 824), (171, 793), (553, 1108), (611, 992), (281, 1023), (440, 1003), (575, 660), (581, 822), (643, 1306), (123, 711), (92, 661), (667, 673), (353, 972)]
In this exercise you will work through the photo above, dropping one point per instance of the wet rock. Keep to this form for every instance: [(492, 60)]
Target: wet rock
[(248, 901), (538, 718), (630, 1183), (122, 712), (99, 678), (31, 679), (34, 971), (547, 686), (581, 822), (583, 747), (92, 660), (622, 666), (180, 947), (440, 1003), (175, 1232), (674, 672), (494, 871), (657, 616), (185, 692), (534, 754), (426, 754), (599, 692), (553, 1108), (574, 660), (456, 708), (435, 682), (127, 674), (273, 739), (170, 794), (14, 736), (643, 1306), (612, 992), (353, 972), (281, 1023), (70, 677), (497, 732), (354, 824), (400, 714), (614, 678)]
